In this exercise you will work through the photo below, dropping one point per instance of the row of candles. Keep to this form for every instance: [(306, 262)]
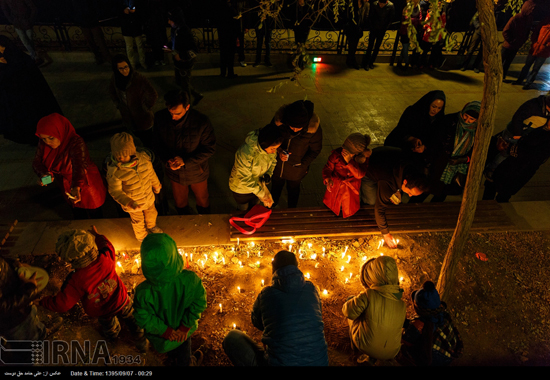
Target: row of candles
[(217, 258)]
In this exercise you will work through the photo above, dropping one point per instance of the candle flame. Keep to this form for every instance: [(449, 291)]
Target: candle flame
[(325, 292), (262, 282), (309, 245), (313, 257), (349, 258), (307, 275), (342, 269)]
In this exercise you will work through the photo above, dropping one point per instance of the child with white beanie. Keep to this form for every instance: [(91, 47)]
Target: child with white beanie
[(133, 183)]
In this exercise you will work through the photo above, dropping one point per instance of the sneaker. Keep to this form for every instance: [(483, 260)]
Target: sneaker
[(242, 63), (196, 359), (155, 230), (53, 325)]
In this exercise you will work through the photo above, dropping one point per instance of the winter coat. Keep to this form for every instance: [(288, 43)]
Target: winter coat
[(22, 84), (346, 178), (381, 18), (541, 42), (21, 13), (290, 316), (131, 24), (136, 102), (15, 296), (251, 163), (377, 317), (97, 286), (530, 115), (70, 164), (516, 31), (191, 138), (417, 122), (386, 165), (170, 296), (136, 182), (357, 20), (304, 147)]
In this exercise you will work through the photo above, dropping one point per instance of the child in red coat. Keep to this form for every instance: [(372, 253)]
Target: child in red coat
[(95, 283), (343, 172)]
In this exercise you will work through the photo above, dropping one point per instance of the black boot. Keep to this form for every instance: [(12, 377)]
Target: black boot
[(203, 210), (184, 210)]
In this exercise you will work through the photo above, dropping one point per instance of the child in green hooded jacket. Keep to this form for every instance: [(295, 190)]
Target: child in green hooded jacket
[(169, 303)]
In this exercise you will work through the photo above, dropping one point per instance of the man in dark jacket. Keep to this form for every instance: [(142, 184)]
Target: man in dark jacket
[(184, 141), (515, 34), (380, 17), (303, 141), (290, 316), (523, 147), (388, 176)]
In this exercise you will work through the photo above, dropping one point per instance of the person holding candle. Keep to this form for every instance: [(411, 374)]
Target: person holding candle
[(343, 172), (254, 164), (95, 283), (376, 315), (289, 314), (430, 337), (389, 176), (62, 157), (170, 301)]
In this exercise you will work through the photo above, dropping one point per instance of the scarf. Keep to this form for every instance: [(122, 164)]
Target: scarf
[(464, 141), (61, 128)]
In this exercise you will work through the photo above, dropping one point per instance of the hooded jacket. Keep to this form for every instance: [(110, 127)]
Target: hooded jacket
[(170, 297), (377, 314), (135, 181), (97, 285), (251, 163), (289, 314)]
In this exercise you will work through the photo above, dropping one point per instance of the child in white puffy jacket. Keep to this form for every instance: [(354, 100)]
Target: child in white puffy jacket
[(133, 183)]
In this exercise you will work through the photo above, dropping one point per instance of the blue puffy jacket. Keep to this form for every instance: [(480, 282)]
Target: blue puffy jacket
[(289, 314)]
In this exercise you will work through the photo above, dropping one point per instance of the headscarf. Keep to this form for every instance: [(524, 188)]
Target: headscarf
[(464, 141), (121, 82), (77, 247), (381, 275), (59, 127), (422, 106)]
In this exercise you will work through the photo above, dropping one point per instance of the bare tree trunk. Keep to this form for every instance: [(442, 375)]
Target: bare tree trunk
[(493, 79)]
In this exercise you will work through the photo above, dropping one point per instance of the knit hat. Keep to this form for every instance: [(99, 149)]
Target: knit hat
[(122, 144), (427, 297), (77, 247), (282, 259), (356, 143), (297, 114)]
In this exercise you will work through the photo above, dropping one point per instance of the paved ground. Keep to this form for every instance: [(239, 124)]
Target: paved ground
[(346, 101)]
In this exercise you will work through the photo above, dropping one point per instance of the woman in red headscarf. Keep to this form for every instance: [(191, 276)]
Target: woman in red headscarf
[(62, 157)]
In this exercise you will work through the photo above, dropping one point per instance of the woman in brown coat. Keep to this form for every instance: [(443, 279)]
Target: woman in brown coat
[(135, 97)]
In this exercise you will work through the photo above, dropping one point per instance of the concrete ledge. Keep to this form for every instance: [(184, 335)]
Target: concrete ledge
[(38, 238)]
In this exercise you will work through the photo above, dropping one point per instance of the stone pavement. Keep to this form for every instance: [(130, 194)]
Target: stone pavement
[(346, 100)]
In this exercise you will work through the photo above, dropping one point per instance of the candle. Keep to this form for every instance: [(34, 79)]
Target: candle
[(262, 282), (223, 260), (238, 289), (323, 251), (240, 264), (290, 248), (309, 245), (247, 254), (120, 266), (191, 257), (316, 265), (313, 257), (380, 243), (342, 269), (347, 280), (381, 254), (349, 258), (343, 255), (258, 264), (220, 308), (325, 292), (252, 244), (346, 250), (234, 326), (238, 241), (400, 279), (307, 276)]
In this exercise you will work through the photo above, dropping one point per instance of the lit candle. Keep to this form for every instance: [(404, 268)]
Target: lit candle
[(364, 258), (325, 292), (220, 307), (262, 282), (349, 258), (290, 248), (252, 244), (234, 326), (381, 254), (316, 265), (347, 280), (247, 254), (400, 279), (191, 257), (238, 242), (313, 257), (307, 276), (323, 251), (238, 289), (120, 266), (342, 269), (351, 274), (137, 262), (223, 260), (240, 264), (380, 243), (346, 250), (258, 264), (309, 245), (343, 255)]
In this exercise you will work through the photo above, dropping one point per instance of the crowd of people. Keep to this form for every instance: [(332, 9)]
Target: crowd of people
[(427, 153), (167, 306)]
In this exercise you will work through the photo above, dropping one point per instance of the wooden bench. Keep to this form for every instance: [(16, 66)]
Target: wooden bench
[(405, 218)]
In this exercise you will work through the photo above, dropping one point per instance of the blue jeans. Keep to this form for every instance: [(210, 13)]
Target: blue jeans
[(243, 351), (181, 355), (26, 38)]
